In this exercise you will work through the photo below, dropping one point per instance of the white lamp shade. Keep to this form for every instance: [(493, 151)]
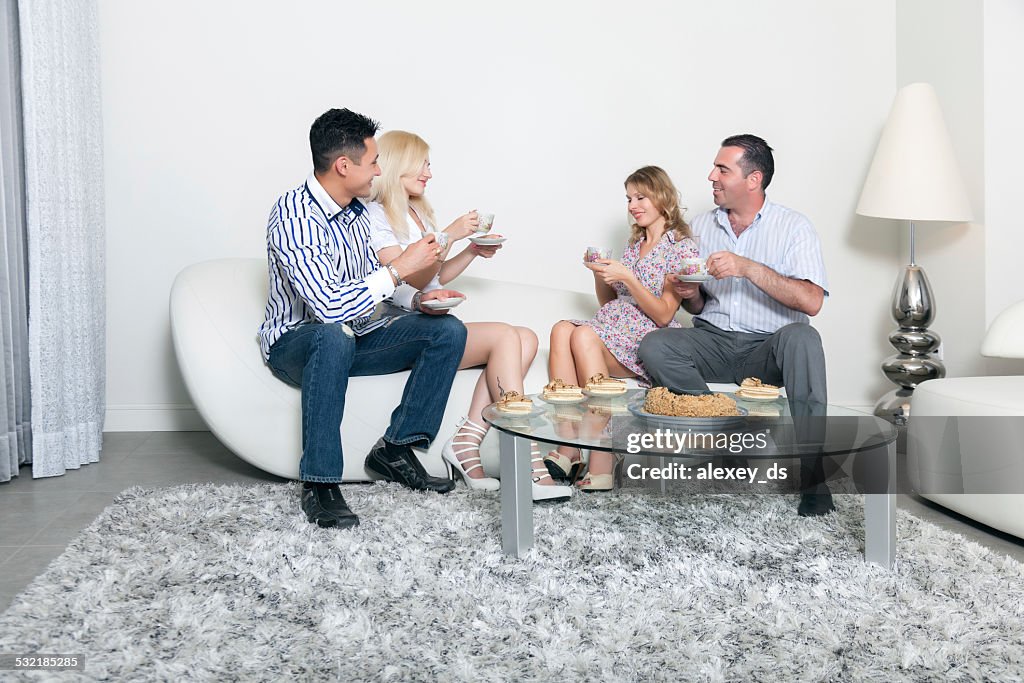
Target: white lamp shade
[(914, 175), (1005, 338)]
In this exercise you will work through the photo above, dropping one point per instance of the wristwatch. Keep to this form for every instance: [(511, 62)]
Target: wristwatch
[(416, 298), (394, 273)]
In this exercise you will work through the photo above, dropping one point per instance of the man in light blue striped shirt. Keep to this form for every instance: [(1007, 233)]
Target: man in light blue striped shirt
[(320, 328), (751, 319)]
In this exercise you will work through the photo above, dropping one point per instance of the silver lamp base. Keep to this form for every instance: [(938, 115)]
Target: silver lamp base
[(913, 309)]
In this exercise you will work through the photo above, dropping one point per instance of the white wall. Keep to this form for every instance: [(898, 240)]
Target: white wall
[(1004, 149), (971, 52), (535, 110), (945, 48), (1004, 112)]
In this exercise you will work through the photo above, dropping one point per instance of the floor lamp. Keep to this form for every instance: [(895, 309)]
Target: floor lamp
[(913, 177)]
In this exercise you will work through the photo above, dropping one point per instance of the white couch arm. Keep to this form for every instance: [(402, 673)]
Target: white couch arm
[(1005, 338)]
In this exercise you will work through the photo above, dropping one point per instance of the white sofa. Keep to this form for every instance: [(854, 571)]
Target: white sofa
[(216, 308), (965, 437)]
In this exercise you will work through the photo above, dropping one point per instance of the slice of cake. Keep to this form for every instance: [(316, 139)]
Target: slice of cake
[(754, 388), (557, 391), (514, 402), (599, 385)]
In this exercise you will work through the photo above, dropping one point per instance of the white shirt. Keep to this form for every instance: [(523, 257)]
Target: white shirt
[(381, 236), (780, 238)]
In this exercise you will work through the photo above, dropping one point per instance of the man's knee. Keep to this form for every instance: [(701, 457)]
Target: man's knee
[(655, 346), (449, 329), (799, 336)]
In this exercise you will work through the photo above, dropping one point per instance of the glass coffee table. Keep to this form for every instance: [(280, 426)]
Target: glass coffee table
[(771, 432)]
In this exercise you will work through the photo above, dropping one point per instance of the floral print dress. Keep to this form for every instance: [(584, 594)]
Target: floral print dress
[(620, 323)]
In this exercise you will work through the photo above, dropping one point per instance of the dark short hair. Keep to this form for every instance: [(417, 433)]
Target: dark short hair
[(757, 156), (339, 132)]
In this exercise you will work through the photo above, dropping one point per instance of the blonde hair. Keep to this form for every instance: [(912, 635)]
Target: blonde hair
[(401, 154), (655, 184)]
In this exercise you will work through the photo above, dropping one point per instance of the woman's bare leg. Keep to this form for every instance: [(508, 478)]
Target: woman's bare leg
[(560, 360), (496, 346), (529, 343), (592, 357)]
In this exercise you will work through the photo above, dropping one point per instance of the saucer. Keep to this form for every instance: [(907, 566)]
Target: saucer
[(562, 401), (487, 241), (693, 278), (442, 304), (601, 395), (746, 397)]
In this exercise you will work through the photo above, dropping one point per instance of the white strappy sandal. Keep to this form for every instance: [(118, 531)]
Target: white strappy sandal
[(540, 472), (467, 439)]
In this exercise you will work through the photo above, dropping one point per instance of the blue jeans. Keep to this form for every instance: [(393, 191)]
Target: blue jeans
[(320, 358)]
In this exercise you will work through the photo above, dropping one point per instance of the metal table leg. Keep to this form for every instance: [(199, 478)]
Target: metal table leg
[(516, 495), (880, 508)]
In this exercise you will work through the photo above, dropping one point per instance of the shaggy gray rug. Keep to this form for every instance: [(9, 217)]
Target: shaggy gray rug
[(230, 583)]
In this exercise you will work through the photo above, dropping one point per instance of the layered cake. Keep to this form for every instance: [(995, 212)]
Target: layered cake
[(599, 385), (755, 389), (514, 402), (557, 391)]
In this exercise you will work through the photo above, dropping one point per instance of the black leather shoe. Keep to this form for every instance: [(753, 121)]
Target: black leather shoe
[(817, 503), (404, 467), (324, 506)]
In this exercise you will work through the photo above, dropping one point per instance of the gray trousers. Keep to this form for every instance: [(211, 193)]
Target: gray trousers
[(683, 359)]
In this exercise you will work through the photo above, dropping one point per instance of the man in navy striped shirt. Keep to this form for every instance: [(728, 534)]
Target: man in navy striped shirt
[(322, 325), (752, 318)]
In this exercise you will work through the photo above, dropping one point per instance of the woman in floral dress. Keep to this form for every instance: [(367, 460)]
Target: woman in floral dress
[(635, 299)]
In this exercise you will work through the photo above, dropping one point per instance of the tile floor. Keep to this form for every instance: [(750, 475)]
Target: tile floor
[(38, 517)]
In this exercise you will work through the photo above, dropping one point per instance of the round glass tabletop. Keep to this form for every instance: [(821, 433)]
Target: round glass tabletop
[(772, 429)]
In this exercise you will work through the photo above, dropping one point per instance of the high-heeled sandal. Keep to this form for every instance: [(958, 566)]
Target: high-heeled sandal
[(563, 467), (470, 436), (605, 481), (540, 473)]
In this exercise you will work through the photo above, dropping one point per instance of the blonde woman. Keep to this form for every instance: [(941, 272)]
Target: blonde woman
[(401, 216), (635, 299)]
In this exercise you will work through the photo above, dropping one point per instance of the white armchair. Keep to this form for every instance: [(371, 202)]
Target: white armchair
[(984, 458)]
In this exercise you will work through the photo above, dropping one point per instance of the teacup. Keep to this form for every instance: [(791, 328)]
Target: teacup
[(442, 239), (694, 267), (486, 221), (595, 254)]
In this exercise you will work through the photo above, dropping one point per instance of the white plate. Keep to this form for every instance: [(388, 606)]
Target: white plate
[(562, 401), (745, 397), (442, 304), (590, 393), (694, 278), (722, 422), (487, 241), (535, 411)]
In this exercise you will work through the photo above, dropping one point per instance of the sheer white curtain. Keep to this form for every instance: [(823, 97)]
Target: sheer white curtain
[(15, 431), (64, 189)]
